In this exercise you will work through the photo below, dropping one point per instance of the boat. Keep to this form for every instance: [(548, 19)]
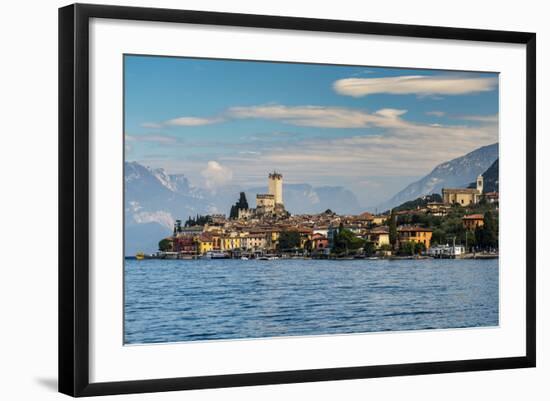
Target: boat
[(214, 255), (140, 256), (267, 257), (244, 258)]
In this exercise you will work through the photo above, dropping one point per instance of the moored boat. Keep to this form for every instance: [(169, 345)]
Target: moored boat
[(214, 255)]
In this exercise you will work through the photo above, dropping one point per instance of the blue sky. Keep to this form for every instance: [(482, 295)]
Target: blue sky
[(371, 130)]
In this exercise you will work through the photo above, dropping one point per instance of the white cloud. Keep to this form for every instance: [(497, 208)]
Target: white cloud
[(403, 148), (318, 116), (482, 119), (192, 121), (422, 85), (158, 138), (435, 113), (216, 175), (152, 125)]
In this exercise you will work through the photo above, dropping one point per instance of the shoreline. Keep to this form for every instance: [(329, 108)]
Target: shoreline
[(480, 256)]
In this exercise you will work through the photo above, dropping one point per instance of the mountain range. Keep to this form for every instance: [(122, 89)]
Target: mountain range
[(456, 173)]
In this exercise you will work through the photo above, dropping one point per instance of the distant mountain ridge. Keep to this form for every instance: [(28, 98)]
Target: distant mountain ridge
[(459, 172)]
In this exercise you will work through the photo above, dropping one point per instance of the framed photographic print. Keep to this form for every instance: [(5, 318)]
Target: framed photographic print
[(250, 199)]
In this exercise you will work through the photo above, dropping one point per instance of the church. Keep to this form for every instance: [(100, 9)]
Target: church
[(464, 196)]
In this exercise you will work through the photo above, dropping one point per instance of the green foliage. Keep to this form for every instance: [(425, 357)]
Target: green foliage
[(411, 248), (393, 229), (242, 203), (346, 241), (165, 245), (486, 237), (198, 220), (419, 202), (369, 248), (289, 240), (419, 247), (406, 248)]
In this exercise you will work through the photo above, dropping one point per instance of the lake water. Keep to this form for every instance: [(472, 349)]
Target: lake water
[(190, 300)]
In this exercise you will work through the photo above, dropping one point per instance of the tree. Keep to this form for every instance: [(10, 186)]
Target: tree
[(289, 240), (346, 241), (407, 248), (242, 203), (393, 229), (369, 248), (486, 236), (165, 245), (419, 247)]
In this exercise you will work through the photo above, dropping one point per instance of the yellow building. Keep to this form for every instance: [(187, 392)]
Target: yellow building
[(415, 234), (230, 242), (204, 243), (379, 236), (464, 196), (379, 219)]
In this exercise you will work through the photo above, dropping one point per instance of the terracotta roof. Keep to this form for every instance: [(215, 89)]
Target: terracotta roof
[(473, 217), (380, 230), (366, 216)]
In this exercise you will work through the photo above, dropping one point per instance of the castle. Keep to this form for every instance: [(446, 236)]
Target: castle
[(270, 204), (464, 196)]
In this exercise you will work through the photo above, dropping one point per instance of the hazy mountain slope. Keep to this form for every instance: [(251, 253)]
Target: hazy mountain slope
[(457, 173)]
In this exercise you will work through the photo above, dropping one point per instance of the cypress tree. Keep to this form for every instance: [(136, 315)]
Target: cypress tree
[(393, 229)]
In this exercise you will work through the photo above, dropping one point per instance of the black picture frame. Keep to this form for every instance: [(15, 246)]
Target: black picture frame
[(74, 199)]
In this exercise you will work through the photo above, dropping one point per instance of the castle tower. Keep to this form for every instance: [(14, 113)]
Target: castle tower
[(479, 184), (275, 186)]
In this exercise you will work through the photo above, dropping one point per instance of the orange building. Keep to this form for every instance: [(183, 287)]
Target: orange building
[(472, 221), (414, 234)]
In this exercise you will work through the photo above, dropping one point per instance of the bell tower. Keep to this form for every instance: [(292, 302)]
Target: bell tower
[(479, 184)]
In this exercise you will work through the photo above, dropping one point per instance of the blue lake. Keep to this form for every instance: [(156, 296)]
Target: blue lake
[(190, 300)]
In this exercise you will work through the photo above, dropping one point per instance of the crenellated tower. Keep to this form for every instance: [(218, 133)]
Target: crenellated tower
[(275, 187)]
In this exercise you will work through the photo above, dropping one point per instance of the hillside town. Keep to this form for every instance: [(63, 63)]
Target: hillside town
[(461, 223)]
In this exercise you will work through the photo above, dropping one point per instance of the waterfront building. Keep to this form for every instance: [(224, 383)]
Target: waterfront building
[(464, 196), (205, 244), (472, 221), (254, 240), (414, 234), (185, 245), (379, 236), (231, 241), (319, 242)]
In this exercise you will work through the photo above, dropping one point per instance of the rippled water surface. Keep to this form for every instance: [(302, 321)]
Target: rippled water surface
[(183, 300)]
